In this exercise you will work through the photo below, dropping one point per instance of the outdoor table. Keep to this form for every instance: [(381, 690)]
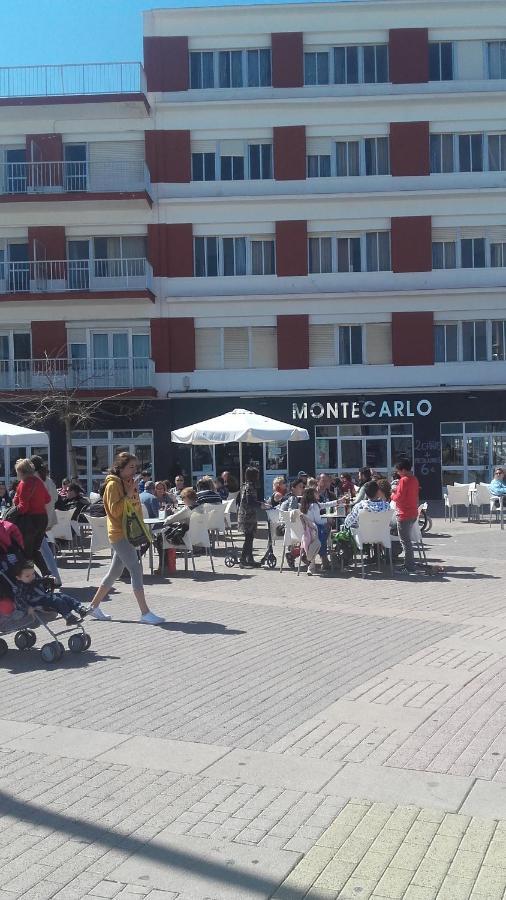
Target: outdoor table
[(150, 523)]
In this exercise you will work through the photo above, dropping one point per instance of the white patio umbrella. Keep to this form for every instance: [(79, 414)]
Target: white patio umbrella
[(238, 426), (17, 435)]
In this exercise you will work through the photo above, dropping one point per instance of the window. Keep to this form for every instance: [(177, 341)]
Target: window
[(367, 64), (498, 255), (496, 54), (234, 256), (376, 156), (444, 255), (243, 347), (470, 152), (446, 343), (206, 256), (331, 345), (441, 153), (348, 254), (262, 258), (316, 67), (95, 452), (347, 158), (203, 166), (320, 254), (499, 340), (118, 256), (318, 166), (232, 168), (258, 68), (497, 152), (474, 341), (230, 72), (378, 251), (441, 61), (201, 70), (473, 253), (260, 161), (471, 449)]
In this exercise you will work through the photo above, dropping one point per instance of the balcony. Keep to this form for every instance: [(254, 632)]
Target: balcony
[(95, 275), (68, 80), (48, 178), (76, 374)]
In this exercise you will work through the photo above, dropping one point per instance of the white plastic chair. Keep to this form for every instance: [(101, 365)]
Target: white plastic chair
[(198, 532), (479, 495), (229, 506), (374, 528), (294, 531), (63, 529), (458, 495), (218, 524), (417, 541), (99, 539), (497, 506), (186, 547)]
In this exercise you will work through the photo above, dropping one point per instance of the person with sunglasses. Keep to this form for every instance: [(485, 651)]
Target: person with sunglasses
[(498, 485)]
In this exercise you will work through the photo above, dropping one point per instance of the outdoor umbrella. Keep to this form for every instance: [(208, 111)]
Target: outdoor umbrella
[(239, 426), (17, 436)]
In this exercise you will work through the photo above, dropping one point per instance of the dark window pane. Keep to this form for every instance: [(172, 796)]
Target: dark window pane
[(197, 167), (254, 161), (265, 68), (212, 256), (356, 344), (340, 65), (446, 61), (381, 63), (322, 68), (355, 255), (434, 68), (450, 250), (226, 168), (468, 341), (240, 256), (209, 167), (343, 257), (309, 68), (236, 68), (266, 151), (439, 343), (344, 346), (370, 157), (369, 65), (437, 255), (228, 256), (253, 68), (481, 340), (466, 249), (325, 166), (352, 65), (269, 268), (207, 70), (312, 167), (464, 153), (195, 70), (451, 343), (224, 68), (200, 263), (479, 253), (477, 152), (238, 168)]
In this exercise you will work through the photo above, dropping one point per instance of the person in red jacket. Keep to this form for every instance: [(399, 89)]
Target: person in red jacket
[(405, 497), (30, 501)]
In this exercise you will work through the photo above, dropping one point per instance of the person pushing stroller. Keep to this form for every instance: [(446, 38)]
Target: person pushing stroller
[(31, 590)]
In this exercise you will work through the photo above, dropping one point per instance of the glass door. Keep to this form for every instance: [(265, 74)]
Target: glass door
[(140, 360), (5, 364), (76, 167), (19, 267), (16, 171), (79, 265), (275, 463), (22, 352)]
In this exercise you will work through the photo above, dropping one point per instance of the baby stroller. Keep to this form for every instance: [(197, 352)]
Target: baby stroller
[(269, 560), (21, 619)]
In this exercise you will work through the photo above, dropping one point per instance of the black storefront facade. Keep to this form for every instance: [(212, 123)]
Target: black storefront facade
[(451, 435)]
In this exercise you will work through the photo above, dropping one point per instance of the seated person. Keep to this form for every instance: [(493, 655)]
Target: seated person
[(152, 503), (324, 493), (31, 590), (296, 490), (221, 487), (178, 486), (206, 492), (347, 486), (279, 489), (181, 517), (374, 500), (309, 506), (231, 483), (164, 497), (498, 485), (75, 499)]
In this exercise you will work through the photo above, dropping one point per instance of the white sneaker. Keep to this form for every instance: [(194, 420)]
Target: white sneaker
[(150, 618), (97, 613)]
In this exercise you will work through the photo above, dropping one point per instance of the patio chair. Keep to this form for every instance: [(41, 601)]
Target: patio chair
[(229, 507), (417, 541), (99, 539), (293, 531), (497, 507), (63, 530), (458, 495), (374, 528), (480, 496), (217, 523)]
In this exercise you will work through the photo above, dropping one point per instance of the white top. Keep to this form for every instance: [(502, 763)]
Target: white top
[(314, 514)]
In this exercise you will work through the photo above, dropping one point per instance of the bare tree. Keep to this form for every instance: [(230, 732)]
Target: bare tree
[(61, 398)]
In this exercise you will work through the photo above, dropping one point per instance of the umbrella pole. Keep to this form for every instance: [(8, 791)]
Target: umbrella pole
[(240, 462)]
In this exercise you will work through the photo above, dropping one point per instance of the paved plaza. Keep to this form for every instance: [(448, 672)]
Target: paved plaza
[(279, 737)]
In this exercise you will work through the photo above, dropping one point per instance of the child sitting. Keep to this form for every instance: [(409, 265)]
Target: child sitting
[(32, 590)]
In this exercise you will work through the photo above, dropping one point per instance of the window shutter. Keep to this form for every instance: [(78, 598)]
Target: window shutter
[(121, 162), (208, 348), (497, 233), (76, 335), (203, 146), (378, 344), (236, 348), (322, 345), (444, 234), (319, 146), (264, 350), (232, 148), (472, 232)]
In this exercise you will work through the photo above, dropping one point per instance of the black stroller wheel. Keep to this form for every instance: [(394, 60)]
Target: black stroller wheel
[(3, 647), (229, 562), (32, 637), (87, 640), (50, 653), (77, 643), (61, 649), (271, 561), (22, 640)]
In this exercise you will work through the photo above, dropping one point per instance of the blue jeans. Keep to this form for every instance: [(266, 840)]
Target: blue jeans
[(323, 534)]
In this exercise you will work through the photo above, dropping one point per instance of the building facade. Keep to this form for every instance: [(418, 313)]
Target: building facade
[(310, 223)]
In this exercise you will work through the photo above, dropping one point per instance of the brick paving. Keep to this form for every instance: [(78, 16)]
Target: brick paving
[(351, 733)]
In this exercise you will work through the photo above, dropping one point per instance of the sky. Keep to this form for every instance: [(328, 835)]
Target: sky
[(38, 32)]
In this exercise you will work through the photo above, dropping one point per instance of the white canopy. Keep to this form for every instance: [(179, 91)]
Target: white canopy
[(18, 436), (241, 426)]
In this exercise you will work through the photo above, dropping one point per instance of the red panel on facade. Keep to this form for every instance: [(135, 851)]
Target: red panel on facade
[(173, 344), (44, 149), (291, 248), (170, 250), (409, 55), (411, 244), (166, 63), (409, 148), (293, 342), (47, 242), (49, 338), (413, 338), (289, 152), (168, 156), (287, 59)]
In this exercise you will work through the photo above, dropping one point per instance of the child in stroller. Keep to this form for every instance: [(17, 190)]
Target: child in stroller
[(31, 590)]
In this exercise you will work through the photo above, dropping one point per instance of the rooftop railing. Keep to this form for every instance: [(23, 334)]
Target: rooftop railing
[(71, 374), (70, 177), (77, 79), (41, 276)]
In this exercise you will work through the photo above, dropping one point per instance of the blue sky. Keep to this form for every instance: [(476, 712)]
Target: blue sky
[(34, 32)]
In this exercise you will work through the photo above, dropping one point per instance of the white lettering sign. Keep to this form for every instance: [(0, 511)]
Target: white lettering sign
[(369, 409)]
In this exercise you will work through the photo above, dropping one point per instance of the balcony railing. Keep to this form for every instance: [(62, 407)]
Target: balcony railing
[(84, 78), (70, 374), (71, 177), (41, 276)]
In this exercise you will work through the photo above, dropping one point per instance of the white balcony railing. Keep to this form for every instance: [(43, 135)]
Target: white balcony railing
[(69, 374), (75, 275), (72, 177), (83, 78)]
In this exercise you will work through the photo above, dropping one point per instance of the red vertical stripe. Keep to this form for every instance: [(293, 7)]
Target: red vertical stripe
[(293, 342), (409, 148), (287, 59), (47, 242), (413, 338), (411, 244), (409, 55), (170, 250), (173, 344), (291, 248), (289, 152), (168, 156), (166, 63), (49, 338)]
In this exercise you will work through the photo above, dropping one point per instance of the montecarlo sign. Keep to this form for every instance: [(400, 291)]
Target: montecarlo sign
[(343, 410)]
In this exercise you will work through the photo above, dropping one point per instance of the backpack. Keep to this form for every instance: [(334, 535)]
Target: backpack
[(96, 510)]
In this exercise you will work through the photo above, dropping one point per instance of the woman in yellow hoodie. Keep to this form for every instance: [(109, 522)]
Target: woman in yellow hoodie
[(119, 485)]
